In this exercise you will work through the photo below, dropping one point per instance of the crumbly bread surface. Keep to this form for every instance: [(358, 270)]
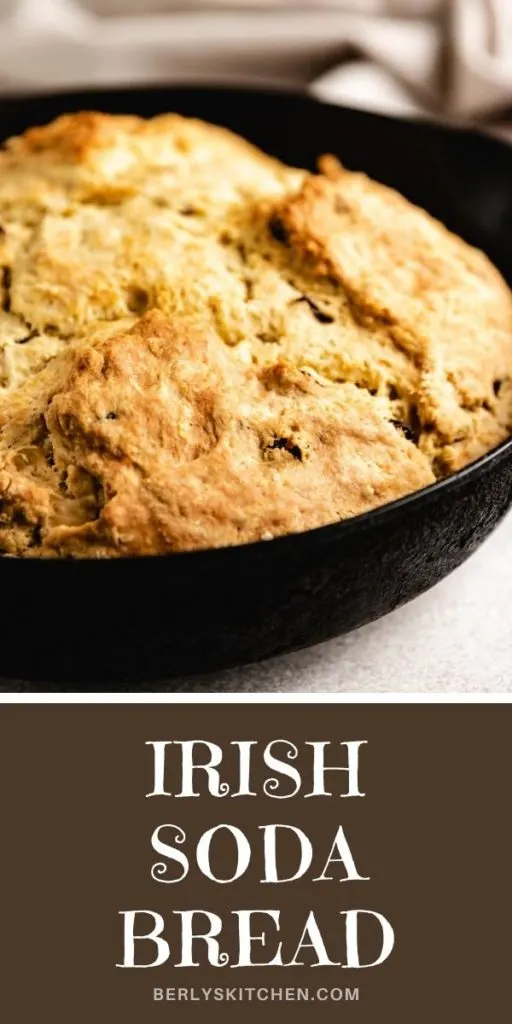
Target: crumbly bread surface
[(200, 346)]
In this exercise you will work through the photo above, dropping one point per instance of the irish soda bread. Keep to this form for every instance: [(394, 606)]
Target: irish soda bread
[(200, 346)]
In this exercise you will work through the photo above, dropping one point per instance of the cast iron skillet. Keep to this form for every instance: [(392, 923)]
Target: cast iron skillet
[(102, 622)]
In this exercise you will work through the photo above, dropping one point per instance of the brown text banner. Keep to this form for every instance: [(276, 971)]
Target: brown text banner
[(262, 861)]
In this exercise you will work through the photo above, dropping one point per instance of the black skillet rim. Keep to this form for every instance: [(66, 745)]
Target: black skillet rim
[(329, 531)]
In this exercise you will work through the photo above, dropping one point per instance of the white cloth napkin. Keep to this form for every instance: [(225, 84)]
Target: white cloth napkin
[(445, 57), (457, 63)]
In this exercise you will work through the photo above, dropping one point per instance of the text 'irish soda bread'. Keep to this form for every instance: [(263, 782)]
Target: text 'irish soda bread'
[(200, 346)]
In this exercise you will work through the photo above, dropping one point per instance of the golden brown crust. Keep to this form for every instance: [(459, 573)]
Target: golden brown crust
[(423, 292), (318, 346), (142, 443)]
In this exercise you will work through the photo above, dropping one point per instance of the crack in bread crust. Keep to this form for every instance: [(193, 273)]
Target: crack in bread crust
[(155, 439), (356, 349)]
